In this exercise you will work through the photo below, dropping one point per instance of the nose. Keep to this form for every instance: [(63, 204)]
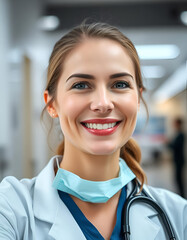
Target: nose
[(101, 102)]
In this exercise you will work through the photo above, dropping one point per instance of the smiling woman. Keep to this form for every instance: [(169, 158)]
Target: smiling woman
[(101, 76), (94, 88)]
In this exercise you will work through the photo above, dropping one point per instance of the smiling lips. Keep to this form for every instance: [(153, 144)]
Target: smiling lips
[(101, 127)]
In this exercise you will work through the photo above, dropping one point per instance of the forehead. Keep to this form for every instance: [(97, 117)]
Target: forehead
[(100, 53)]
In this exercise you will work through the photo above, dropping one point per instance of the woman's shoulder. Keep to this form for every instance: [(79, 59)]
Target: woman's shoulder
[(15, 206), (173, 204), (11, 187), (16, 195), (24, 191), (165, 196)]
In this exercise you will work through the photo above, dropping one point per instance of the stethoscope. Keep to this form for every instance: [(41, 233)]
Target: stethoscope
[(144, 198)]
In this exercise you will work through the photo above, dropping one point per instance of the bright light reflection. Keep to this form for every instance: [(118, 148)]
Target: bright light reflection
[(173, 85), (48, 23), (153, 71), (165, 51), (183, 17)]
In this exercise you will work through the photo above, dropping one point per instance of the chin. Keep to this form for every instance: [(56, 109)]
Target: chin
[(103, 150)]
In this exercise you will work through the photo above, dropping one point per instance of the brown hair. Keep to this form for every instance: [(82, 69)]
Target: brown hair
[(130, 151)]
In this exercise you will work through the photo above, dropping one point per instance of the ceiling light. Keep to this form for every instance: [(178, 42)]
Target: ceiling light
[(173, 85), (48, 23), (183, 17), (153, 71), (162, 51)]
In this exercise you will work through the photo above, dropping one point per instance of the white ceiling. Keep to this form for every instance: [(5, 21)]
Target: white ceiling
[(149, 35), (139, 35)]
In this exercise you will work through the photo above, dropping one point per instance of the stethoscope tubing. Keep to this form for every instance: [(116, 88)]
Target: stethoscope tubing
[(148, 200)]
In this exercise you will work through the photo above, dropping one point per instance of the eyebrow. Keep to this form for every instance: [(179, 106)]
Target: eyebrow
[(123, 74), (81, 75), (88, 76)]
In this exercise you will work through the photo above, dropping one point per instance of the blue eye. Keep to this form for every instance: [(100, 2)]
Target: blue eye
[(81, 85), (121, 85)]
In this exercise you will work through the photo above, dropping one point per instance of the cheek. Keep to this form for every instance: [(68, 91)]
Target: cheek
[(72, 108), (129, 106)]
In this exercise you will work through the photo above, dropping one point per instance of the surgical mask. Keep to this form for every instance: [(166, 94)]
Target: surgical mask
[(92, 191)]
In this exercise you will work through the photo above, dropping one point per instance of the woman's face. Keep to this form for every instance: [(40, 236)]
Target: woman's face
[(97, 98)]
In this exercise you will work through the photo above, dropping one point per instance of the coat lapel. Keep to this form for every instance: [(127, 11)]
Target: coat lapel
[(49, 208), (64, 226), (141, 224), (141, 221)]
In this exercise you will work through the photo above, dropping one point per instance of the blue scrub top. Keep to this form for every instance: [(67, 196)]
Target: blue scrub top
[(88, 229)]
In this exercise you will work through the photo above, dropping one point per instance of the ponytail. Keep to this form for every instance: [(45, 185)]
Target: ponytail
[(60, 148), (131, 153)]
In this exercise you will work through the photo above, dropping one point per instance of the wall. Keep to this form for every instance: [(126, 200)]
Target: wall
[(5, 33)]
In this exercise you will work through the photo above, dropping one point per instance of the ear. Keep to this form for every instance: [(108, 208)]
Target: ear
[(50, 108)]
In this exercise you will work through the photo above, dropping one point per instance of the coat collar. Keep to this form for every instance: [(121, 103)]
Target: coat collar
[(48, 207), (45, 195)]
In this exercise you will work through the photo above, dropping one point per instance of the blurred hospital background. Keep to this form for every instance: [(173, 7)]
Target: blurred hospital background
[(28, 31)]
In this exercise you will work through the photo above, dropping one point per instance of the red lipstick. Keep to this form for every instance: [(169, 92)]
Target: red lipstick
[(101, 132), (102, 120)]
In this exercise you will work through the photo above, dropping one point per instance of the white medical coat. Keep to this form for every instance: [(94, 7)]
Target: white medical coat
[(31, 209)]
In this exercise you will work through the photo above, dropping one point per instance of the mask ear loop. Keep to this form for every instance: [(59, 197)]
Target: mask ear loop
[(57, 163)]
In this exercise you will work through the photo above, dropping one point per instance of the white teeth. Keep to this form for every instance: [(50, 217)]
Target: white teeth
[(105, 126), (100, 126)]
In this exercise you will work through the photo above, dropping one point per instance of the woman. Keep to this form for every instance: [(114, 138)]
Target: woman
[(94, 88)]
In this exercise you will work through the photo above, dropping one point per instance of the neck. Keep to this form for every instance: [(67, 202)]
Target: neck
[(90, 167)]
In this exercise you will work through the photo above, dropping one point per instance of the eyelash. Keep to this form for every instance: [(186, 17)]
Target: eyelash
[(77, 85), (127, 84)]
